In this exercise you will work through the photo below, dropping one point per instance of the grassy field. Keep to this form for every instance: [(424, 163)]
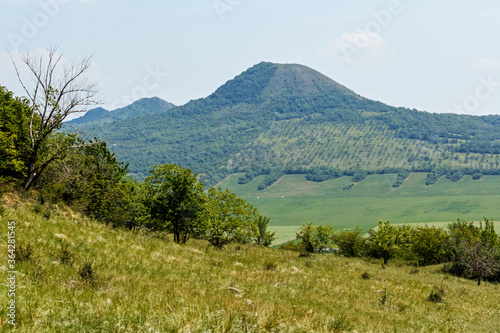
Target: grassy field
[(141, 282), (293, 200)]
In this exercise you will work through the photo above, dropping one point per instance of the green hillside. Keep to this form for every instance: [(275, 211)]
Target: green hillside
[(141, 107), (294, 200), (287, 118), (76, 275)]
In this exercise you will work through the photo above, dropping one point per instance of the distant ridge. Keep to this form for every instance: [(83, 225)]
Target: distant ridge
[(141, 107)]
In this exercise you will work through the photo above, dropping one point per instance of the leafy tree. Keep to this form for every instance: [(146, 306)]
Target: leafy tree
[(428, 245), (350, 243), (175, 201), (324, 236), (56, 94), (306, 237), (92, 180), (232, 219), (14, 135), (388, 240), (264, 237)]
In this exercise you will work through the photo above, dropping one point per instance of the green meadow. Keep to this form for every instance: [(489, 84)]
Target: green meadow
[(293, 200)]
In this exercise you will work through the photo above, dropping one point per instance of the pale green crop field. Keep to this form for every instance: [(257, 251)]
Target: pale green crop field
[(293, 200)]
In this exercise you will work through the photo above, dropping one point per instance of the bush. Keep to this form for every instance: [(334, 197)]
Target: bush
[(436, 295), (358, 176), (400, 178), (351, 243), (306, 238), (348, 187), (474, 251), (23, 253), (389, 241), (428, 245)]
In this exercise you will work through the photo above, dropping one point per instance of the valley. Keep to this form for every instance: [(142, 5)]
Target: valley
[(293, 200)]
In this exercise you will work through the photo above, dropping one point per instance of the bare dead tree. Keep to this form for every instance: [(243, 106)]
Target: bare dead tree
[(55, 91)]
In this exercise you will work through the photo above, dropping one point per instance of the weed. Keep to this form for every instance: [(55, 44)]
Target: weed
[(414, 270), (339, 324), (35, 273), (272, 322), (436, 295), (88, 274), (65, 255), (304, 254), (23, 253), (270, 266), (383, 298), (365, 275)]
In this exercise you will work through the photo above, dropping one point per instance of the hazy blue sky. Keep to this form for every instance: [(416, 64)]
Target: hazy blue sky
[(439, 55)]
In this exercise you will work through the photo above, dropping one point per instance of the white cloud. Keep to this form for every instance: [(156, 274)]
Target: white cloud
[(352, 42), (365, 47), (488, 65)]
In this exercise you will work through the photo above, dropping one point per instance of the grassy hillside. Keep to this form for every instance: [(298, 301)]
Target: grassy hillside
[(293, 200), (140, 282)]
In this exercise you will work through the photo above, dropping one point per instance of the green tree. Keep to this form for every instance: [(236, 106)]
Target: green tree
[(324, 237), (175, 201), (350, 243), (264, 237), (93, 181), (428, 245), (14, 135), (306, 237), (230, 219), (388, 240)]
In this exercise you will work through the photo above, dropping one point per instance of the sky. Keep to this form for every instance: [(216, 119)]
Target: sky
[(436, 56)]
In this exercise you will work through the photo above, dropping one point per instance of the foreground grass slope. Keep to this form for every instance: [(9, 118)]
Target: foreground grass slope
[(293, 200), (139, 282)]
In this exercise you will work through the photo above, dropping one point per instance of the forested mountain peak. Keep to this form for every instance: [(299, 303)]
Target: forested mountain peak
[(139, 108), (268, 80), (291, 118)]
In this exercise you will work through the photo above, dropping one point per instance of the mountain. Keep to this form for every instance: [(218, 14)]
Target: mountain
[(276, 118), (141, 107)]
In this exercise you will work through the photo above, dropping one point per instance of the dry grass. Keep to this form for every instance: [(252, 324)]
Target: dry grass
[(146, 283)]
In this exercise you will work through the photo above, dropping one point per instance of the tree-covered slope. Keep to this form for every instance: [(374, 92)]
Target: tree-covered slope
[(277, 116), (141, 107)]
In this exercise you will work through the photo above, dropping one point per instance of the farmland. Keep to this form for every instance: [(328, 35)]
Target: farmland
[(293, 200)]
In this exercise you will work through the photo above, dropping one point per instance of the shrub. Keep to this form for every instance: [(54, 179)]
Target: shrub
[(23, 253), (351, 243), (358, 176), (388, 241), (436, 295), (65, 255), (428, 245), (88, 274), (306, 238)]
